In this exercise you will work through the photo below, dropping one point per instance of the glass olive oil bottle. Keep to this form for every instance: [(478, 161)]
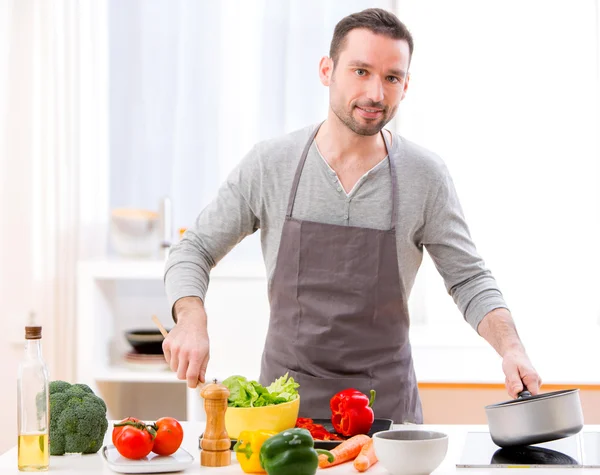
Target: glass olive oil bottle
[(33, 405)]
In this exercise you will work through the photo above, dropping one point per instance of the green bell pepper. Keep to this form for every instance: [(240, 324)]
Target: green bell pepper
[(291, 452)]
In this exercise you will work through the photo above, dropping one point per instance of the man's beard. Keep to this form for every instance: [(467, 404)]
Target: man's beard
[(371, 128)]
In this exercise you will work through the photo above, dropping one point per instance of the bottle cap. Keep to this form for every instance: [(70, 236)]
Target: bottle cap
[(33, 333)]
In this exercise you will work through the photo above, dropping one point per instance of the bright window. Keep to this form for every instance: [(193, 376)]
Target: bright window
[(507, 94)]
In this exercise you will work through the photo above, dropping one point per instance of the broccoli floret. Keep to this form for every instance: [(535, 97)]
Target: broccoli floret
[(58, 386), (77, 419)]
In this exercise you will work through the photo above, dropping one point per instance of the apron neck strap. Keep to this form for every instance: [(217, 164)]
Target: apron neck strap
[(296, 181), (299, 171), (393, 174)]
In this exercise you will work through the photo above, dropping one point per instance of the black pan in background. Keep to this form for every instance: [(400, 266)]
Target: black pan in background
[(145, 341)]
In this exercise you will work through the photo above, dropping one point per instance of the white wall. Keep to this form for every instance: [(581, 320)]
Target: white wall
[(506, 92)]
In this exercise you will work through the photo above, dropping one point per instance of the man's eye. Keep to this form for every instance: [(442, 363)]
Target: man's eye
[(361, 72), (393, 79)]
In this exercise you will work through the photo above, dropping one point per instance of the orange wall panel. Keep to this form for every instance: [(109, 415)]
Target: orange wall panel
[(454, 403)]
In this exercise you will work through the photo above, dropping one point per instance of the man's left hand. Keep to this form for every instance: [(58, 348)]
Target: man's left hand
[(520, 373)]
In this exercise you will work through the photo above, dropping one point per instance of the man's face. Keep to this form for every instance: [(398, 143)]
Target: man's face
[(369, 80)]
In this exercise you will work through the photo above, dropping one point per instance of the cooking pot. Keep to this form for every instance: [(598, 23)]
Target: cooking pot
[(535, 419)]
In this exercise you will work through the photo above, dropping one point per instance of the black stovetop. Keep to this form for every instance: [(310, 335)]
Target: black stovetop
[(580, 450)]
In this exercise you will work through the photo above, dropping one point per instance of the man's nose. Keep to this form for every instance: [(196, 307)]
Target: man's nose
[(375, 89)]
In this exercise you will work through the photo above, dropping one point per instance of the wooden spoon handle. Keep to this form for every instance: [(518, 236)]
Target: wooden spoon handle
[(160, 326), (164, 332)]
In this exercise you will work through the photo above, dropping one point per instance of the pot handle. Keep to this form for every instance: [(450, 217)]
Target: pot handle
[(524, 394)]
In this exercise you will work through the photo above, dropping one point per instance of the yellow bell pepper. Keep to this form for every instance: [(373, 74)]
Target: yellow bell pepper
[(247, 449)]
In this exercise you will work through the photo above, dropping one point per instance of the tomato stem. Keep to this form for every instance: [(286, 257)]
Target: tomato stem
[(152, 430), (140, 426), (137, 425)]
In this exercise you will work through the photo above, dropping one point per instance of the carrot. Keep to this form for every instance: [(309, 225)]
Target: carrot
[(346, 451), (366, 458)]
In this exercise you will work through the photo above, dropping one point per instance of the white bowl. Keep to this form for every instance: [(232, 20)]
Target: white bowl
[(135, 232), (410, 452)]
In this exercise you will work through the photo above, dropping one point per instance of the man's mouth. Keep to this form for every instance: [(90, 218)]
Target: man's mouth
[(369, 112)]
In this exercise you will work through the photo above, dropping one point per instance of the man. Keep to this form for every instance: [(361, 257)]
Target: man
[(344, 208)]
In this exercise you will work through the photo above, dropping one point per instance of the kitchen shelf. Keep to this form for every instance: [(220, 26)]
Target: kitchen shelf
[(126, 375), (146, 269), (115, 295)]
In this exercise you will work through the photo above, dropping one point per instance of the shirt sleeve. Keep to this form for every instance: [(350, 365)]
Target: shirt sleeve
[(447, 239), (227, 219)]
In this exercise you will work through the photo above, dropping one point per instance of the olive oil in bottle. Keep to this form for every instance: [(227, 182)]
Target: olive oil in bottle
[(32, 405), (33, 451)]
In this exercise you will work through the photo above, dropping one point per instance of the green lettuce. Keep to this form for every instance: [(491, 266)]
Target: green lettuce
[(244, 393)]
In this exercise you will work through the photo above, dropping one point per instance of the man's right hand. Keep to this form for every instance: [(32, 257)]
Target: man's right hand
[(186, 347)]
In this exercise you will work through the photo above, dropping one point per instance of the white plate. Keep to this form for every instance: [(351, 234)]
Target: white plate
[(151, 464)]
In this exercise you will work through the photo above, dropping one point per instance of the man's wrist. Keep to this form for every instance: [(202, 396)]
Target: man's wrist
[(513, 348), (498, 328), (189, 308)]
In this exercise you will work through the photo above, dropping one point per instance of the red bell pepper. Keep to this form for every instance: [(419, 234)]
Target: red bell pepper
[(318, 431), (351, 412)]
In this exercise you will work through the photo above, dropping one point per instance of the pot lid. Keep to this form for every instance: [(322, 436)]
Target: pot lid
[(522, 400)]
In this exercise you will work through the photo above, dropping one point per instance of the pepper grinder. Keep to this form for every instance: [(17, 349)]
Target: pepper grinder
[(215, 443)]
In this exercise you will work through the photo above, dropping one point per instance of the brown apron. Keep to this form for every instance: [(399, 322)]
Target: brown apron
[(339, 318)]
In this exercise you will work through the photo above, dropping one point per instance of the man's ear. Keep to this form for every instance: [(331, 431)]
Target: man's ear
[(325, 70)]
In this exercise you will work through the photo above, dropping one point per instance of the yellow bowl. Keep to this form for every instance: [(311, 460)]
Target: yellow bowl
[(277, 417)]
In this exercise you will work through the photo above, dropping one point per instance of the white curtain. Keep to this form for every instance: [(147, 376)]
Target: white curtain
[(195, 84), (53, 164)]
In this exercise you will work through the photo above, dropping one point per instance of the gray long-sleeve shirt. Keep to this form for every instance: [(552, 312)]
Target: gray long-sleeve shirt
[(255, 196)]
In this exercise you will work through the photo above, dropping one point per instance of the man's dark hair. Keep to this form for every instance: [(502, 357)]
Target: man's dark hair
[(376, 20)]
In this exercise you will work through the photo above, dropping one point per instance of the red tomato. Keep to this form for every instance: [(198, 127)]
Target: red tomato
[(169, 435), (135, 440), (117, 430)]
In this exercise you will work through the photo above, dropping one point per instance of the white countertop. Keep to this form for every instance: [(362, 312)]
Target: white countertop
[(94, 464)]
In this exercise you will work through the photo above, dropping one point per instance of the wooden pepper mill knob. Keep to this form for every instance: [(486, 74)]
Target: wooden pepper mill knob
[(215, 444)]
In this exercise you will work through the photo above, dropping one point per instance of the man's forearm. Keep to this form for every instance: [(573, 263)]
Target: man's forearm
[(499, 329), (190, 308)]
